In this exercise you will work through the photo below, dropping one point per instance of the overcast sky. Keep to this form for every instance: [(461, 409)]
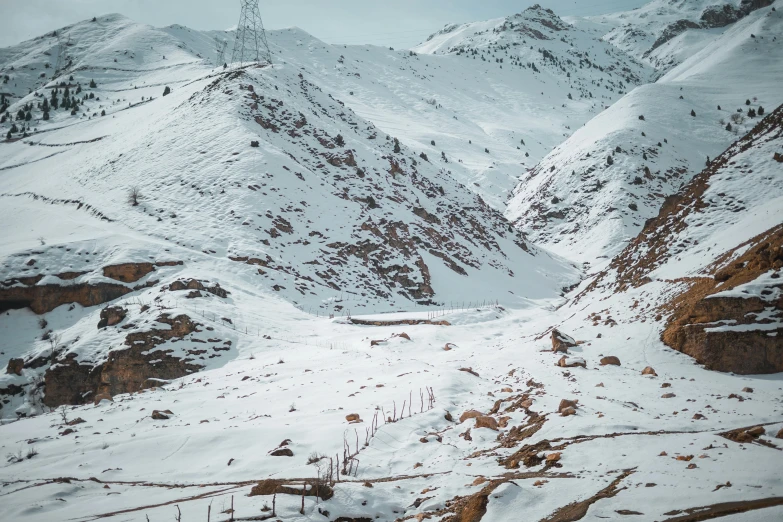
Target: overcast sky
[(398, 23)]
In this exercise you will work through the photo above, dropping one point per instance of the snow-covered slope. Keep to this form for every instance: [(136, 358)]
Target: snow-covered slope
[(168, 352), (595, 190), (663, 33)]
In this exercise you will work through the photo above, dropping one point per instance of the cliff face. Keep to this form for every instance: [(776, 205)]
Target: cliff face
[(712, 247), (128, 370)]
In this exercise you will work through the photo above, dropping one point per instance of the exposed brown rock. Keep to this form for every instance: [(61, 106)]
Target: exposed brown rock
[(352, 417), (102, 397), (667, 396), (128, 272), (45, 298), (611, 359), (568, 411), (561, 342), (487, 422), (757, 431), (126, 370), (747, 390), (111, 316), (571, 362), (565, 403), (449, 346), (161, 414), (282, 452), (470, 414), (196, 285), (649, 370), (780, 434), (15, 367)]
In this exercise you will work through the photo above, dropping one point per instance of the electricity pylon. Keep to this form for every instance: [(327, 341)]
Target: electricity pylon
[(250, 45)]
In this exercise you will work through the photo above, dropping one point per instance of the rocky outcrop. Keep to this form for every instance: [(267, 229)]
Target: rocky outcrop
[(195, 284), (15, 367), (673, 30), (561, 342), (128, 272), (748, 6), (42, 299), (127, 370), (720, 16), (112, 316)]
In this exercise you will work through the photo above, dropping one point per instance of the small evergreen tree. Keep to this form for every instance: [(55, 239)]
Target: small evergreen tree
[(728, 126), (339, 140), (166, 91), (46, 115), (14, 128), (719, 107), (28, 116), (747, 102), (751, 113), (761, 110), (103, 112), (432, 142), (20, 115), (93, 85), (693, 113), (396, 146), (609, 160)]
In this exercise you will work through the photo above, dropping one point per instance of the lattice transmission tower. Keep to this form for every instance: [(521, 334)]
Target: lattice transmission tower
[(220, 51), (250, 45)]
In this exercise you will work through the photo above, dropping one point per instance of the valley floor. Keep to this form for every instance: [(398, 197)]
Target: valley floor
[(628, 450)]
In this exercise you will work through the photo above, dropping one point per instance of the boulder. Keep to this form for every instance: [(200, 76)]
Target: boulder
[(757, 431), (111, 316), (565, 403), (403, 335), (282, 452), (747, 390), (161, 414), (571, 362), (667, 396), (649, 371), (102, 397), (611, 359), (487, 422), (561, 342), (449, 346), (568, 411), (353, 417), (15, 367), (470, 414), (779, 435), (553, 457)]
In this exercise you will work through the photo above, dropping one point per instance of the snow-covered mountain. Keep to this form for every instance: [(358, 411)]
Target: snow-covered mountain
[(311, 291), (594, 192)]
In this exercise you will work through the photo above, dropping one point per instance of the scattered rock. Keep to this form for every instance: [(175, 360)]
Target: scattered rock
[(553, 457), (75, 421), (571, 362), (667, 396), (403, 335), (469, 370), (565, 403), (699, 416), (15, 367), (487, 422), (448, 416), (747, 390), (353, 417), (561, 342), (417, 465), (449, 346), (161, 415), (666, 385), (649, 371), (779, 435), (757, 431), (67, 432), (568, 411), (282, 452), (610, 359), (111, 316), (506, 390)]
